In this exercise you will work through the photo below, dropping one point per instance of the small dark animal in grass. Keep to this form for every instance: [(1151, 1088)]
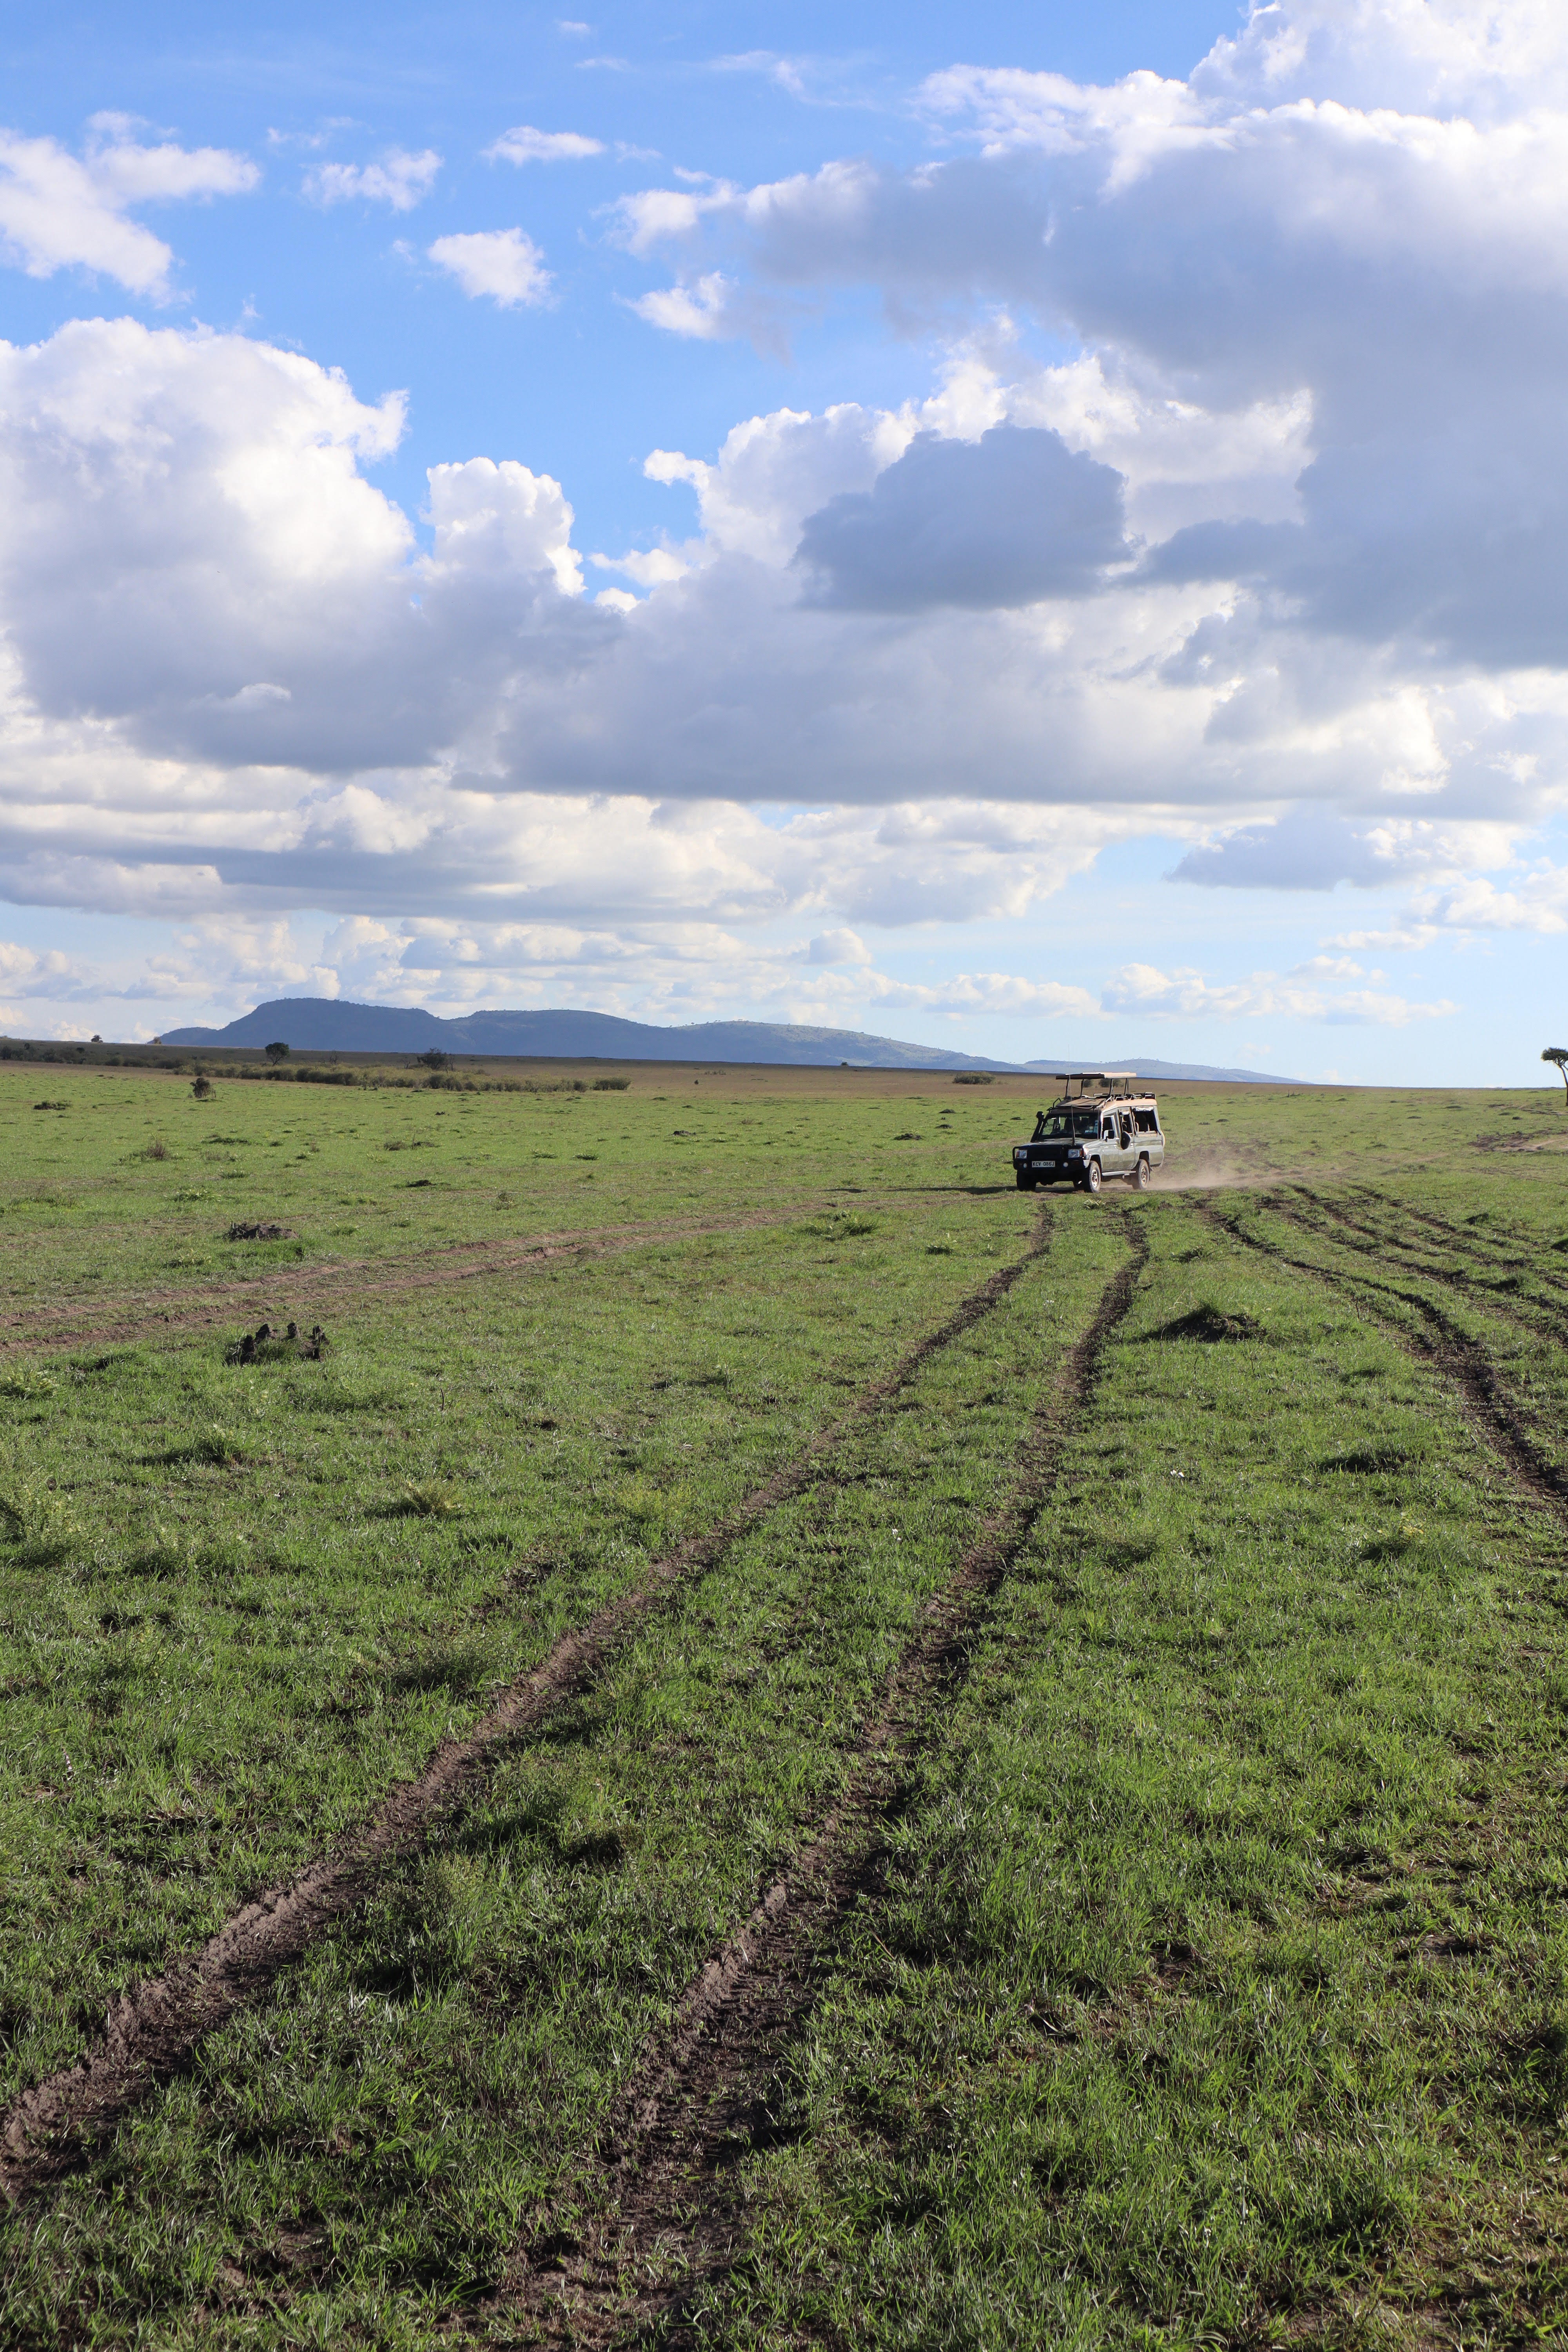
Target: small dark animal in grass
[(258, 1230), (264, 1345)]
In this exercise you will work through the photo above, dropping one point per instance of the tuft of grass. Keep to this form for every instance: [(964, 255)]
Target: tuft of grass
[(429, 1498), (24, 1381), (161, 1556), (157, 1150), (42, 1524), (847, 1224), (216, 1445)]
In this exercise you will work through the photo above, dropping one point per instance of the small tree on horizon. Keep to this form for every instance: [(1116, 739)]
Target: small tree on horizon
[(1559, 1054), (277, 1052)]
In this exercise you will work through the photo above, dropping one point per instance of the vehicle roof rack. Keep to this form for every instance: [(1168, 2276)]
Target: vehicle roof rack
[(1108, 1081)]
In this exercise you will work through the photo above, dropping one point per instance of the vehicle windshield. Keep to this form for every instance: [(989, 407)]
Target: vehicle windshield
[(1054, 1125)]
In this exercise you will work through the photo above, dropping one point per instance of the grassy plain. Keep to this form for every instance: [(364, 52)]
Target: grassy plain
[(1204, 1976)]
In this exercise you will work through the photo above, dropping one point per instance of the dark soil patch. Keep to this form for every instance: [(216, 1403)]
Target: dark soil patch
[(1207, 1325)]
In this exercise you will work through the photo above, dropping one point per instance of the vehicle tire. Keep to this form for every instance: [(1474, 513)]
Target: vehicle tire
[(1091, 1176), (1024, 1184), (1141, 1175)]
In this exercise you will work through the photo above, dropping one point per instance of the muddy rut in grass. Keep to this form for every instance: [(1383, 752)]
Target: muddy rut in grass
[(152, 2031), (1493, 1412), (1496, 1286), (311, 1290), (648, 2221)]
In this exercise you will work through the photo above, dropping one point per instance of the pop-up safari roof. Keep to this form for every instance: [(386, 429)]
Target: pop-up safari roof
[(1104, 1082)]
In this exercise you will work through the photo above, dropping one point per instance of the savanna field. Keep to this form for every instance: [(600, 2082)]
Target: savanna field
[(773, 1741)]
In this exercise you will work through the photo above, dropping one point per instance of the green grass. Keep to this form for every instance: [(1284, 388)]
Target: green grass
[(1212, 1984), (1220, 1977)]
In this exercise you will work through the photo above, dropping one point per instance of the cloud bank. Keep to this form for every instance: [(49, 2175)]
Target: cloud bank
[(1270, 561)]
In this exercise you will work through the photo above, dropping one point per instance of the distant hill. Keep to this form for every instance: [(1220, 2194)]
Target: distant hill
[(328, 1024), (1147, 1069)]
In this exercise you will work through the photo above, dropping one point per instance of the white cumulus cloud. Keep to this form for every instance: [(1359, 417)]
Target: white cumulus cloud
[(1141, 988), (503, 264), (524, 144), (398, 179), (59, 210), (700, 312)]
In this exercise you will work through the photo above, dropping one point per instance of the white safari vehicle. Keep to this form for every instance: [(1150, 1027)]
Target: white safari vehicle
[(1104, 1129)]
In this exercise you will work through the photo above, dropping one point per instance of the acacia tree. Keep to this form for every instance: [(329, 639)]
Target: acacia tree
[(1559, 1054)]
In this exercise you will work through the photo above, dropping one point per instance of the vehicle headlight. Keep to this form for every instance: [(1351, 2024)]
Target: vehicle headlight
[(1019, 1152)]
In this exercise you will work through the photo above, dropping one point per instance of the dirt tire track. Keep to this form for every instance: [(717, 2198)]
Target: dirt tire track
[(661, 2198), (150, 2032), (1508, 1246), (1541, 1319), (1492, 1412), (312, 1287), (1457, 1236)]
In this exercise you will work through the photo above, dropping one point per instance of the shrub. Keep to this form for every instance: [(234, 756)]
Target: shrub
[(203, 1089), (611, 1085)]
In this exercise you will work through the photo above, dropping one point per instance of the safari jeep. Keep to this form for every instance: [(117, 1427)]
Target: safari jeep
[(1104, 1129)]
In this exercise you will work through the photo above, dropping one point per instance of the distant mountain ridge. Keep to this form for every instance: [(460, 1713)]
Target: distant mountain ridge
[(329, 1024)]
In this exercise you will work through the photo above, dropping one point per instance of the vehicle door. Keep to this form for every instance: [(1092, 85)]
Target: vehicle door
[(1112, 1158)]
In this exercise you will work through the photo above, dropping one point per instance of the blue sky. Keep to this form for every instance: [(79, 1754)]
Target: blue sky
[(1038, 530)]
